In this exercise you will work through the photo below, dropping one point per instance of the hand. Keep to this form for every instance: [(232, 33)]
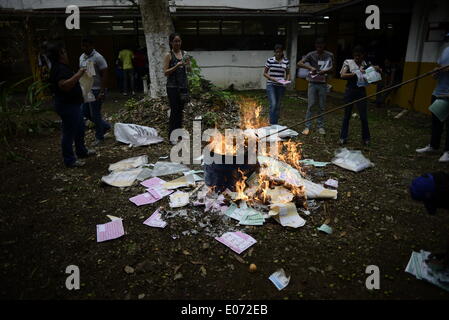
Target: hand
[(321, 72), (179, 64), (312, 70), (81, 71)]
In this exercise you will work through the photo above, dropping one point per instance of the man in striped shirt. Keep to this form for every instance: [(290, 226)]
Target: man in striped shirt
[(277, 73)]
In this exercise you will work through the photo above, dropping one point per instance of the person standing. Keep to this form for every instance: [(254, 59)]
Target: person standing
[(92, 110), (176, 64), (320, 63), (353, 71), (277, 71), (68, 101), (441, 92), (126, 56)]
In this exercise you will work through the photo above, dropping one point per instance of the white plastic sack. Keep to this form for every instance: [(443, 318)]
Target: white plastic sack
[(122, 178), (371, 75), (351, 160), (136, 135), (129, 163), (87, 81), (273, 129)]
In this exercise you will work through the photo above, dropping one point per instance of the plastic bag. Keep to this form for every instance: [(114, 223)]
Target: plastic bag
[(122, 178), (163, 168), (136, 135), (351, 160), (129, 163)]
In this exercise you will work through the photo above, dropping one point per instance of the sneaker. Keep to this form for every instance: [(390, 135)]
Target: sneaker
[(306, 131), (444, 157), (97, 142), (76, 164), (322, 131), (90, 152), (427, 148)]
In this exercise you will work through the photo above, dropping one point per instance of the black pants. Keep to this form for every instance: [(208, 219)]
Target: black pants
[(176, 107), (437, 131), (352, 95)]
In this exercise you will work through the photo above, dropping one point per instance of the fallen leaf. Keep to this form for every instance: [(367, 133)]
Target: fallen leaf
[(203, 271), (129, 269), (178, 276)]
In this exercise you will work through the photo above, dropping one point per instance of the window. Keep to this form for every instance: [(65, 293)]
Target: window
[(208, 27), (231, 27), (186, 27), (253, 28)]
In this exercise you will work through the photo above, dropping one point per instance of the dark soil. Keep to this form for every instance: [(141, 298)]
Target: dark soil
[(48, 216)]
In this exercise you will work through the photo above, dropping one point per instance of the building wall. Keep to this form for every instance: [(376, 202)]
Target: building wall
[(243, 69)]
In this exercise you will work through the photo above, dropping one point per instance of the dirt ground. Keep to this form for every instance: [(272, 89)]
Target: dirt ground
[(48, 216)]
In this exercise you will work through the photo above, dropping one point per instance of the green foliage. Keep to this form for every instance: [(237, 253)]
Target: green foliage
[(22, 115), (210, 119)]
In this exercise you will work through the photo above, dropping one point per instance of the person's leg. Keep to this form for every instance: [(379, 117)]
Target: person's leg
[(272, 102), (437, 130), (125, 81), (80, 146), (174, 101), (347, 116), (69, 124), (322, 92), (131, 80), (279, 91), (363, 113), (311, 94)]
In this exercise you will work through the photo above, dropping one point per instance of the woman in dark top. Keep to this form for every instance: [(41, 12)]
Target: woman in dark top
[(68, 100), (176, 63), (353, 70)]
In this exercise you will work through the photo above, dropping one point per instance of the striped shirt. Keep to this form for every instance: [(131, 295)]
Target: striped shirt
[(277, 69)]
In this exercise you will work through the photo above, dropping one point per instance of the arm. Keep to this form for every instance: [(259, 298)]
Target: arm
[(287, 74), (345, 74), (330, 69), (104, 76), (266, 75), (168, 71), (68, 84), (302, 64)]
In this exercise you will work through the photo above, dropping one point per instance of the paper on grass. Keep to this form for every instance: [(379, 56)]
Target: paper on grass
[(110, 230), (163, 168), (179, 199), (122, 178), (129, 163), (287, 215), (237, 241), (155, 220), (279, 279), (311, 162), (331, 183), (184, 181), (136, 135)]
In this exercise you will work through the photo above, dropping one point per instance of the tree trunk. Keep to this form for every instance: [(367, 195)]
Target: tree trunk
[(157, 26)]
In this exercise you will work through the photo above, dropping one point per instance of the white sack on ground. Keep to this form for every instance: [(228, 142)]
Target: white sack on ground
[(351, 160), (136, 135), (122, 178), (279, 170), (129, 163)]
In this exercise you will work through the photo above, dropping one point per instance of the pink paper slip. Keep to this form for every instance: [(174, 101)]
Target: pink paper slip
[(284, 82), (237, 241), (153, 182), (155, 220), (145, 198), (110, 230)]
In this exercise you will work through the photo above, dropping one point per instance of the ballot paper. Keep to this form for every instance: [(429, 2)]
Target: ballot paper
[(179, 199), (130, 163), (251, 217), (233, 212), (155, 220), (110, 230), (418, 267), (279, 279), (184, 181), (325, 228), (284, 82), (237, 241), (155, 188), (311, 162), (142, 199), (122, 178), (287, 215), (331, 183), (280, 195)]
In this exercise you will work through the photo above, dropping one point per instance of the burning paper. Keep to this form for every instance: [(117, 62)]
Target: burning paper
[(110, 230), (279, 279), (155, 220), (286, 215), (179, 199), (237, 241), (280, 195)]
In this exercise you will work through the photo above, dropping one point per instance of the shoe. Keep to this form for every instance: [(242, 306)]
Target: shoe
[(321, 131), (306, 131), (76, 164), (444, 157), (427, 148), (90, 152), (97, 142), (341, 142)]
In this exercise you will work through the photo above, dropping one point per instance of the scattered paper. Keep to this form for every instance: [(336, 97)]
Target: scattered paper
[(287, 215), (325, 228), (155, 220), (163, 168), (311, 162), (110, 230), (184, 181), (122, 178), (130, 163), (280, 195), (179, 199), (351, 160), (142, 199), (237, 241), (418, 267), (331, 183), (279, 279), (136, 135)]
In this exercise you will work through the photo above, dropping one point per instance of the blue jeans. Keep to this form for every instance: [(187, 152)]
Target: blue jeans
[(316, 93), (72, 131), (92, 111), (275, 94), (352, 95)]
